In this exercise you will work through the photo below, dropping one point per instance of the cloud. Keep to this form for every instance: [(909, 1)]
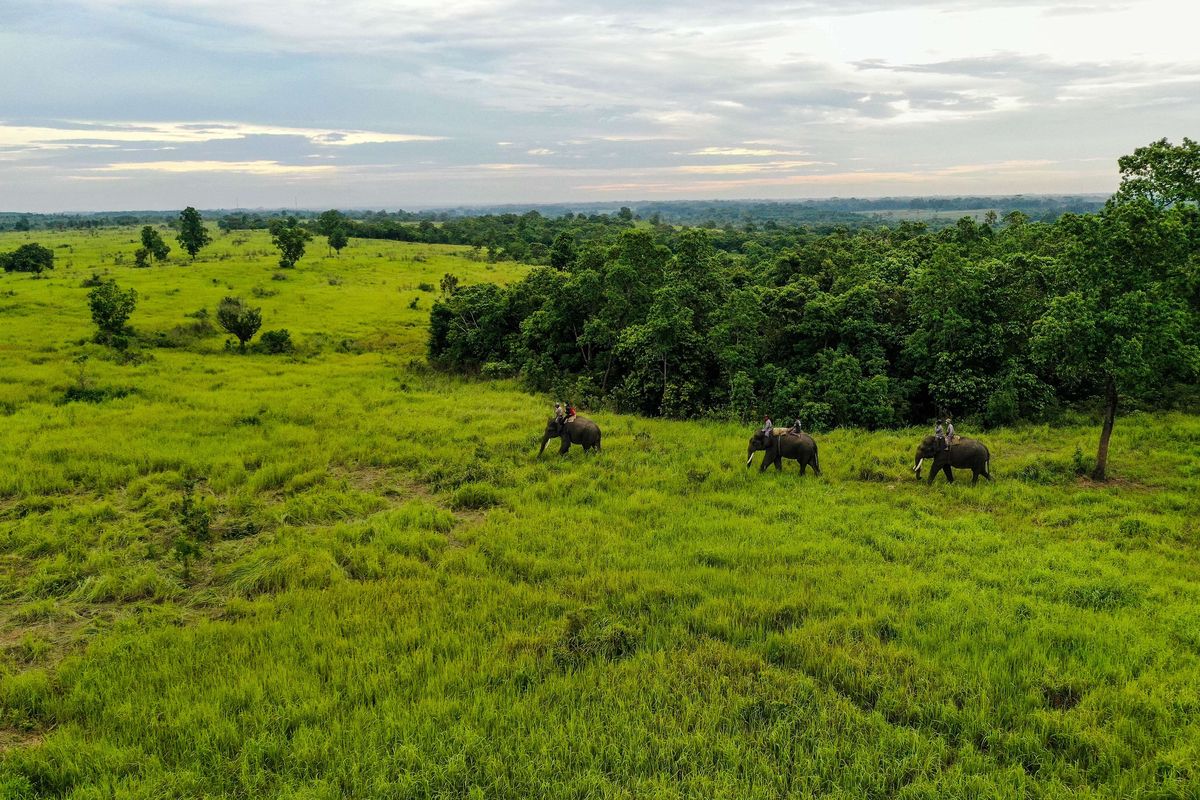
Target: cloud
[(265, 168), (445, 101), (96, 134), (742, 151), (739, 168)]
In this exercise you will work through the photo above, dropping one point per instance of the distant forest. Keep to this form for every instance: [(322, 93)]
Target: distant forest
[(1002, 320), (848, 212)]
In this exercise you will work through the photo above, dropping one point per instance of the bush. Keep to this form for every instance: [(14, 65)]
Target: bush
[(239, 319), (275, 342), (111, 308), (94, 394), (475, 496), (30, 257)]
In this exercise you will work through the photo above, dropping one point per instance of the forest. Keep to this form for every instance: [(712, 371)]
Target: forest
[(999, 321)]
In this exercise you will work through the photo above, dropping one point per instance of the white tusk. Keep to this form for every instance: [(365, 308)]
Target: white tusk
[(917, 468), (748, 460)]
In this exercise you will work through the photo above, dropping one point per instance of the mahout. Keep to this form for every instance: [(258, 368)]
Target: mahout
[(962, 453), (571, 430), (781, 443)]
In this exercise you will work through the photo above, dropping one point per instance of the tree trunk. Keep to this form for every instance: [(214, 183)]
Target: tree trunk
[(1110, 413)]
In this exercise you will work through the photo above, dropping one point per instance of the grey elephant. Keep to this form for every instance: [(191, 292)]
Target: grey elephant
[(963, 454), (580, 430), (782, 444)]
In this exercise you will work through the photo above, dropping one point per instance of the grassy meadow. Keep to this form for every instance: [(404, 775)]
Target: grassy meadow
[(398, 600)]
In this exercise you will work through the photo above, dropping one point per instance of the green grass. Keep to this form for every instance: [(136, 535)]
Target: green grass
[(399, 600)]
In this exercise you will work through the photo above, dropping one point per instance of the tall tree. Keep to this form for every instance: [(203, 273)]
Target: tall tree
[(152, 243), (193, 236), (290, 237), (335, 227), (1161, 173), (1119, 322)]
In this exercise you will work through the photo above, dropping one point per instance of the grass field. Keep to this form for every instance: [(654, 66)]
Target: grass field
[(398, 600)]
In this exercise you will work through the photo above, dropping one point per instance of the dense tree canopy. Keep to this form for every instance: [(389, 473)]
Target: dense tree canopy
[(870, 328)]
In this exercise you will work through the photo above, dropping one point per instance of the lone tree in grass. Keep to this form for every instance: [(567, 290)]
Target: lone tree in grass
[(1119, 321), (336, 229), (290, 237), (28, 258), (193, 236), (239, 319), (338, 239), (111, 308), (153, 244)]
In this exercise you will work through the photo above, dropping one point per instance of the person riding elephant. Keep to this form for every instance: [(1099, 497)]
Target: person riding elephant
[(961, 453), (781, 443), (571, 430)]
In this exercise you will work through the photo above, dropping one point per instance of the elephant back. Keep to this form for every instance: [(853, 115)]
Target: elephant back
[(790, 443), (582, 429)]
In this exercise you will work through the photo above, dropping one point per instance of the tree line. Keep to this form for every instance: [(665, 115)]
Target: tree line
[(871, 328)]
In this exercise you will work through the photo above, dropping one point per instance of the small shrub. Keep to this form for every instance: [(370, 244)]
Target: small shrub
[(414, 303), (194, 521), (275, 342), (425, 287), (1100, 597), (111, 308), (586, 636), (92, 282), (474, 496), (1083, 465), (239, 319)]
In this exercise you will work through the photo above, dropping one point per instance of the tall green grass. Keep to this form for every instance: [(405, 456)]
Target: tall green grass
[(399, 600)]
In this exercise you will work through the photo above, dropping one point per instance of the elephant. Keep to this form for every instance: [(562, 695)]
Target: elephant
[(580, 430), (781, 444), (963, 454)]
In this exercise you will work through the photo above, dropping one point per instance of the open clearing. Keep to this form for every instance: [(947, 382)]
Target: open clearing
[(400, 601)]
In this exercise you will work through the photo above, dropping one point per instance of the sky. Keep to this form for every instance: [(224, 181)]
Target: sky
[(159, 104)]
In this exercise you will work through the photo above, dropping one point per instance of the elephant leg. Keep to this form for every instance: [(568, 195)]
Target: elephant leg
[(566, 445), (949, 473), (974, 477), (779, 463), (766, 462)]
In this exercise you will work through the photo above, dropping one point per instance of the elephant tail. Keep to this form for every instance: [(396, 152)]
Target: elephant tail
[(815, 461)]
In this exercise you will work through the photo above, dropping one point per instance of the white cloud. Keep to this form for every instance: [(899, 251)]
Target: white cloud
[(265, 168), (742, 151), (87, 134)]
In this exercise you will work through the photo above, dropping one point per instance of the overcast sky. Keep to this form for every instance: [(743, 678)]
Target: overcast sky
[(124, 104)]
